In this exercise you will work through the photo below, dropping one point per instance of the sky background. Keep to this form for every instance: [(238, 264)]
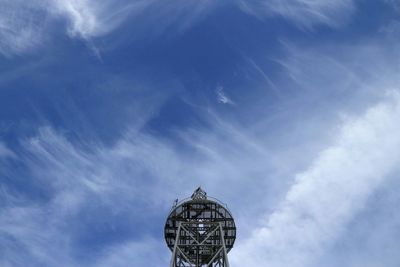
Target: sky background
[(286, 110)]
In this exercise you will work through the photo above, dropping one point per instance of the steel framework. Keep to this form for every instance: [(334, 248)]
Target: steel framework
[(200, 232)]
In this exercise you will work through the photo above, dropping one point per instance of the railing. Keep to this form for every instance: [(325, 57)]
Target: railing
[(180, 202)]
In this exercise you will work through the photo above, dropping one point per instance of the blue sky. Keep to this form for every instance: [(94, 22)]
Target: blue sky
[(287, 110)]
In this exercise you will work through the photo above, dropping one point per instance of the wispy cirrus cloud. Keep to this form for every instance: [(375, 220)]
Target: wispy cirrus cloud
[(24, 26), (21, 26), (72, 184), (138, 253), (85, 191), (141, 172), (304, 13), (88, 18)]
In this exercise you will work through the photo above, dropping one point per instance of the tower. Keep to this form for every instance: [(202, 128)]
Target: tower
[(200, 231)]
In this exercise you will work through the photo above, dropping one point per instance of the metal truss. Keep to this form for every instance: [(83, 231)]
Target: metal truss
[(199, 244)]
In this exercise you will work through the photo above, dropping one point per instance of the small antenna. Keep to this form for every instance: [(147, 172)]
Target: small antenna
[(199, 194), (175, 203)]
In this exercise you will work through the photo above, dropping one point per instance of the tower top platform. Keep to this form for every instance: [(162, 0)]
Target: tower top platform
[(199, 226)]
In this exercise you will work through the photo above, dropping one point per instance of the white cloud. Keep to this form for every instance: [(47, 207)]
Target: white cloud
[(305, 13), (330, 193), (222, 97), (88, 18), (151, 172)]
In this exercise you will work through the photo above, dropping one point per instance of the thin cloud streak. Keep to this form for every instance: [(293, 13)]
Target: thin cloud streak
[(222, 97), (5, 152), (304, 13)]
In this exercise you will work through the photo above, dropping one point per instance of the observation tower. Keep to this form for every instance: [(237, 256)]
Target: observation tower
[(200, 231)]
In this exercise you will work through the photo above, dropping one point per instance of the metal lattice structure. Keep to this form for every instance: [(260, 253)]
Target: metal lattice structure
[(200, 232)]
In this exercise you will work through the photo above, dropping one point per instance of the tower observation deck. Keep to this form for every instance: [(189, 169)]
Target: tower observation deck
[(200, 231)]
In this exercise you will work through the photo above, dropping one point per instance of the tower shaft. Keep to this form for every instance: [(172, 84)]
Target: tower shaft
[(199, 244)]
